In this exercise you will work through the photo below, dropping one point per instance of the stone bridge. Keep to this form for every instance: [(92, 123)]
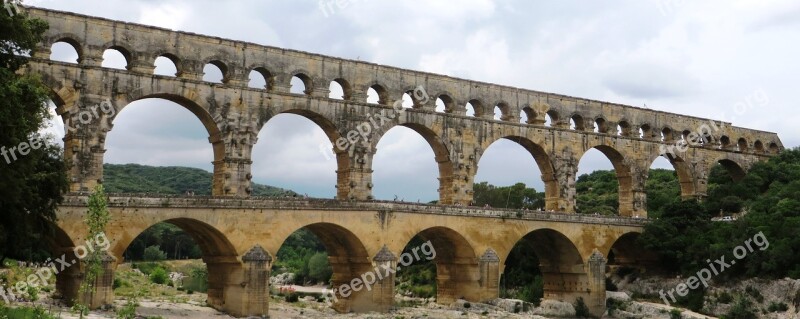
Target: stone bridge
[(241, 235), (471, 245)]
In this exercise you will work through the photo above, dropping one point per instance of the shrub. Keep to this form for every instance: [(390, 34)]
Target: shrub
[(154, 253), (674, 314), (318, 267), (741, 310), (777, 307), (159, 276), (32, 293), (610, 286), (581, 310), (292, 298), (725, 298), (753, 292)]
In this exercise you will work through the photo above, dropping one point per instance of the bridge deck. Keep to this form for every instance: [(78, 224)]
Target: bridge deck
[(301, 203)]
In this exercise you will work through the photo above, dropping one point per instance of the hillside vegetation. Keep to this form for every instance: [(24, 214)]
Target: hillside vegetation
[(134, 178)]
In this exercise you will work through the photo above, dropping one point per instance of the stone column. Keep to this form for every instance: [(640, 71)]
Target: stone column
[(566, 167), (354, 181), (596, 276), (257, 266), (102, 292), (458, 278), (457, 189), (383, 289), (350, 293), (489, 264), (232, 172), (68, 280), (236, 76), (320, 89), (92, 57), (191, 70), (142, 63), (84, 142)]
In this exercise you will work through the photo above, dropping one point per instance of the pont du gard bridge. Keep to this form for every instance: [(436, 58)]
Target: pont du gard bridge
[(240, 235)]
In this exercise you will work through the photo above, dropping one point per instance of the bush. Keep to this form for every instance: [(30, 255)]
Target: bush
[(31, 293), (610, 286), (674, 314), (292, 298), (581, 310), (753, 292), (159, 276), (741, 310), (319, 269), (777, 307), (154, 253), (725, 298), (148, 267), (613, 304)]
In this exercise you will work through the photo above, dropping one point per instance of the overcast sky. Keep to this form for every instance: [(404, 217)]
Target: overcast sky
[(690, 57)]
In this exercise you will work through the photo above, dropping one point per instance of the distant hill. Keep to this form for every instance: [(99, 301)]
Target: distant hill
[(134, 178)]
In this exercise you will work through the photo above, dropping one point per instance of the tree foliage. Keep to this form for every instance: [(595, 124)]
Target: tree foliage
[(767, 197), (33, 184), (134, 178), (515, 196)]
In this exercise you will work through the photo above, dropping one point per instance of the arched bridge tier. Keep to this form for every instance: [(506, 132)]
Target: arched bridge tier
[(233, 114), (471, 243)]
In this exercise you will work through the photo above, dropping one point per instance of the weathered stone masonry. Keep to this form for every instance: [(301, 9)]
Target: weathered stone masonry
[(240, 235)]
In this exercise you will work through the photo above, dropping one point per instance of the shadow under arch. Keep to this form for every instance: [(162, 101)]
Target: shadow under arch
[(447, 195), (67, 280), (560, 263), (625, 252), (545, 164), (623, 173), (457, 268), (349, 259), (219, 255), (684, 171), (733, 168)]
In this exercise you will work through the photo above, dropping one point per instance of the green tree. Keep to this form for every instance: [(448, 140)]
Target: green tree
[(153, 253), (33, 184), (319, 269)]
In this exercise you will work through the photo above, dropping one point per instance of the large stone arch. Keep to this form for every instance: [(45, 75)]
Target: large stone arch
[(627, 182), (223, 141), (625, 251), (735, 168), (543, 161), (686, 179), (343, 156), (440, 148), (349, 259), (560, 263), (457, 272), (219, 253)]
